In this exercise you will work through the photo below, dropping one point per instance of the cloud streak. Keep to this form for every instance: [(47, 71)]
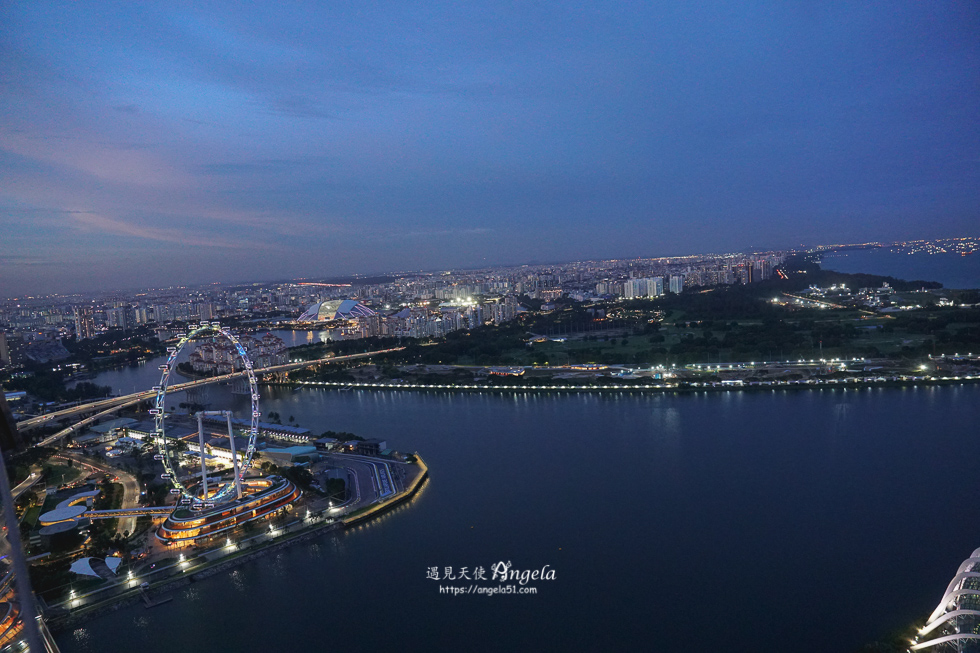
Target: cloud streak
[(103, 225), (316, 139)]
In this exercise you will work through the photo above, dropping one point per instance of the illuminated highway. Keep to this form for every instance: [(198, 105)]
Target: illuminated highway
[(27, 483), (131, 488), (114, 403)]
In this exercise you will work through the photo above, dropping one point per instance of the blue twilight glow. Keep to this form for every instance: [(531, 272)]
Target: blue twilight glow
[(181, 142)]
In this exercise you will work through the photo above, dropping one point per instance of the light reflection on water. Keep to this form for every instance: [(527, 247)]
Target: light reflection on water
[(629, 496), (278, 567), (238, 580), (82, 638)]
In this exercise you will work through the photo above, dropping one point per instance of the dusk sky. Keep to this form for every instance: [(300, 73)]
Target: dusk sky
[(149, 144)]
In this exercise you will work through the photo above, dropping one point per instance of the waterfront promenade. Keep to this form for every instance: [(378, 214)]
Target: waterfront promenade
[(194, 563), (868, 381)]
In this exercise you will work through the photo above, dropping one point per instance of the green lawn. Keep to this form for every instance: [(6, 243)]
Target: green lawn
[(31, 516), (61, 474)]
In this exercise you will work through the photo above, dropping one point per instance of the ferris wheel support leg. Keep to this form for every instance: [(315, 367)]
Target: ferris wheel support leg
[(204, 467), (234, 456)]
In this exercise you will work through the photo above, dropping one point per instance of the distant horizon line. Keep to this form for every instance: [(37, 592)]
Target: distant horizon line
[(406, 272)]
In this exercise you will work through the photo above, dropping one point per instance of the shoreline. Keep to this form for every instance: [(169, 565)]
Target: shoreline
[(832, 384), (135, 594)]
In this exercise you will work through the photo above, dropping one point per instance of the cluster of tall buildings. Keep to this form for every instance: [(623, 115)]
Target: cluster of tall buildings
[(422, 321), (416, 320), (659, 277), (414, 304), (220, 356), (745, 271), (648, 287)]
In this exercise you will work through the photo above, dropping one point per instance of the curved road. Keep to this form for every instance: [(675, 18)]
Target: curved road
[(131, 487), (26, 484)]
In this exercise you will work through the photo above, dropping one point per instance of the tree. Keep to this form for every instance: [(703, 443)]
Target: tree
[(300, 476), (336, 488)]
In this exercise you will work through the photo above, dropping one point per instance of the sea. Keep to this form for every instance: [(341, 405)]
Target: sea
[(952, 270), (808, 521)]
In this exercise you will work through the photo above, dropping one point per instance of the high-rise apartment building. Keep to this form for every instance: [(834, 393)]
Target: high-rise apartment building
[(84, 322), (118, 317), (746, 274), (634, 288), (764, 269), (163, 314), (676, 284), (4, 349), (655, 286)]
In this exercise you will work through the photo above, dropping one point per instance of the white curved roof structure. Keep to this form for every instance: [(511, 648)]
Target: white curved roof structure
[(956, 619), (76, 499), (66, 514), (83, 567), (335, 309)]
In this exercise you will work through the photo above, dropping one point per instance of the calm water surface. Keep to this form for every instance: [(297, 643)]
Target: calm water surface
[(294, 338), (952, 270), (808, 521)]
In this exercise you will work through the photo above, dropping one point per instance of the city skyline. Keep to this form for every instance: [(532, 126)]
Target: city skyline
[(955, 246), (157, 146)]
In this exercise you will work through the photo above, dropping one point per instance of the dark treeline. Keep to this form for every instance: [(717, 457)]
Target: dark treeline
[(48, 385)]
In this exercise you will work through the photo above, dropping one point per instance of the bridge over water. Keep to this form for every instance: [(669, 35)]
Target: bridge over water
[(106, 407)]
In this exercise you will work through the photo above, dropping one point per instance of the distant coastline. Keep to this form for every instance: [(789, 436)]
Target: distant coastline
[(953, 270)]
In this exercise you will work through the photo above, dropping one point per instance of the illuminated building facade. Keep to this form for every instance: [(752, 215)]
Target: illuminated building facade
[(84, 322), (265, 497)]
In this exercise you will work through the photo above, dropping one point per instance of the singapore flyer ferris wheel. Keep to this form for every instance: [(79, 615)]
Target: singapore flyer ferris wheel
[(166, 448)]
